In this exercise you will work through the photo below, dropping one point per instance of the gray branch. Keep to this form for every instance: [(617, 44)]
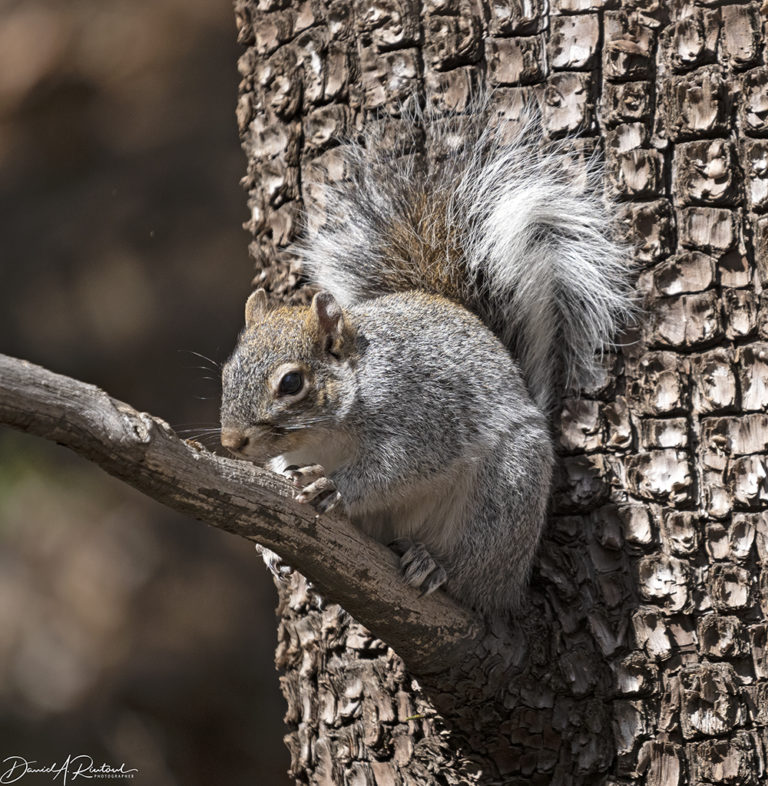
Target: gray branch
[(430, 633)]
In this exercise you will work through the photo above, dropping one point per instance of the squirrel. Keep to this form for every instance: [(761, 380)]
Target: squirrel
[(456, 296)]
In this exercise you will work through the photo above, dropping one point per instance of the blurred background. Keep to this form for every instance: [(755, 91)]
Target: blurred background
[(127, 633)]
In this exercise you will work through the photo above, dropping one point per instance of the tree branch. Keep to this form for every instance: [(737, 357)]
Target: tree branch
[(430, 633)]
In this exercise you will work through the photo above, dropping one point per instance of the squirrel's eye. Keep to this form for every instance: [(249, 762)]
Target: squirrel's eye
[(290, 384)]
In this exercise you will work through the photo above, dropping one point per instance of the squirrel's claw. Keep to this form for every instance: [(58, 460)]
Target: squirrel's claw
[(316, 489), (328, 502), (304, 476), (420, 569)]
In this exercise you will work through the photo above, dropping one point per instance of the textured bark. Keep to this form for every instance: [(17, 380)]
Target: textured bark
[(431, 632), (642, 657)]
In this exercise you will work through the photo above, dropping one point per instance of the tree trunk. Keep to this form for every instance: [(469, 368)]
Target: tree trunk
[(642, 656)]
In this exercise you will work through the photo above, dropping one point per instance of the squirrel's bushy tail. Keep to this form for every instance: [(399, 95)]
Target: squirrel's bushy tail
[(511, 228)]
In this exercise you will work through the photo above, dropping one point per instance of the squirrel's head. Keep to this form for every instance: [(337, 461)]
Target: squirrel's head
[(287, 378)]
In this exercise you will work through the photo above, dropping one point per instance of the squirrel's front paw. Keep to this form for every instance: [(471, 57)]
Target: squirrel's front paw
[(316, 489), (420, 569)]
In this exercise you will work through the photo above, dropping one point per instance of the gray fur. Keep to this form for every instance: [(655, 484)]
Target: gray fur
[(431, 437), (544, 268), (463, 464), (432, 434)]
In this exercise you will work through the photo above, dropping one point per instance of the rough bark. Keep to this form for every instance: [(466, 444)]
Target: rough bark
[(430, 632), (642, 657)]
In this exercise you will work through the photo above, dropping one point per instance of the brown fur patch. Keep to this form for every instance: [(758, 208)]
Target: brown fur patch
[(425, 252)]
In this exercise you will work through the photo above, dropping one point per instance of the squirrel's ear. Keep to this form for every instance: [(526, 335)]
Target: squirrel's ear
[(255, 307), (328, 314)]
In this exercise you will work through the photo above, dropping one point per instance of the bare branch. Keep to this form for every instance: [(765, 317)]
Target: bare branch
[(349, 568)]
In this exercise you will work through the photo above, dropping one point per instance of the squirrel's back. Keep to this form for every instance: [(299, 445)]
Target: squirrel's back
[(497, 222), (424, 346)]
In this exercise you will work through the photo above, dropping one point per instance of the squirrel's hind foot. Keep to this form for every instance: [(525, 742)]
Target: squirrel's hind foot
[(317, 489), (420, 569)]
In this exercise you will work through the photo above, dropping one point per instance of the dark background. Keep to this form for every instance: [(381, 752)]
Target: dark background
[(126, 632)]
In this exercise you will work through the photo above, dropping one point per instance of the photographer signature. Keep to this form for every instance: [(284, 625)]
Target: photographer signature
[(82, 766)]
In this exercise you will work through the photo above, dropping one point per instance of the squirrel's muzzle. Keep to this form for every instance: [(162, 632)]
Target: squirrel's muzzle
[(233, 439), (256, 442)]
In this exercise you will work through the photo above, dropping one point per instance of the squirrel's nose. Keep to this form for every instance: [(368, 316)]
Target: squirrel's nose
[(233, 439)]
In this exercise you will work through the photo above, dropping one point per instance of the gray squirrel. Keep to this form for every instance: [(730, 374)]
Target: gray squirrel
[(456, 296)]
